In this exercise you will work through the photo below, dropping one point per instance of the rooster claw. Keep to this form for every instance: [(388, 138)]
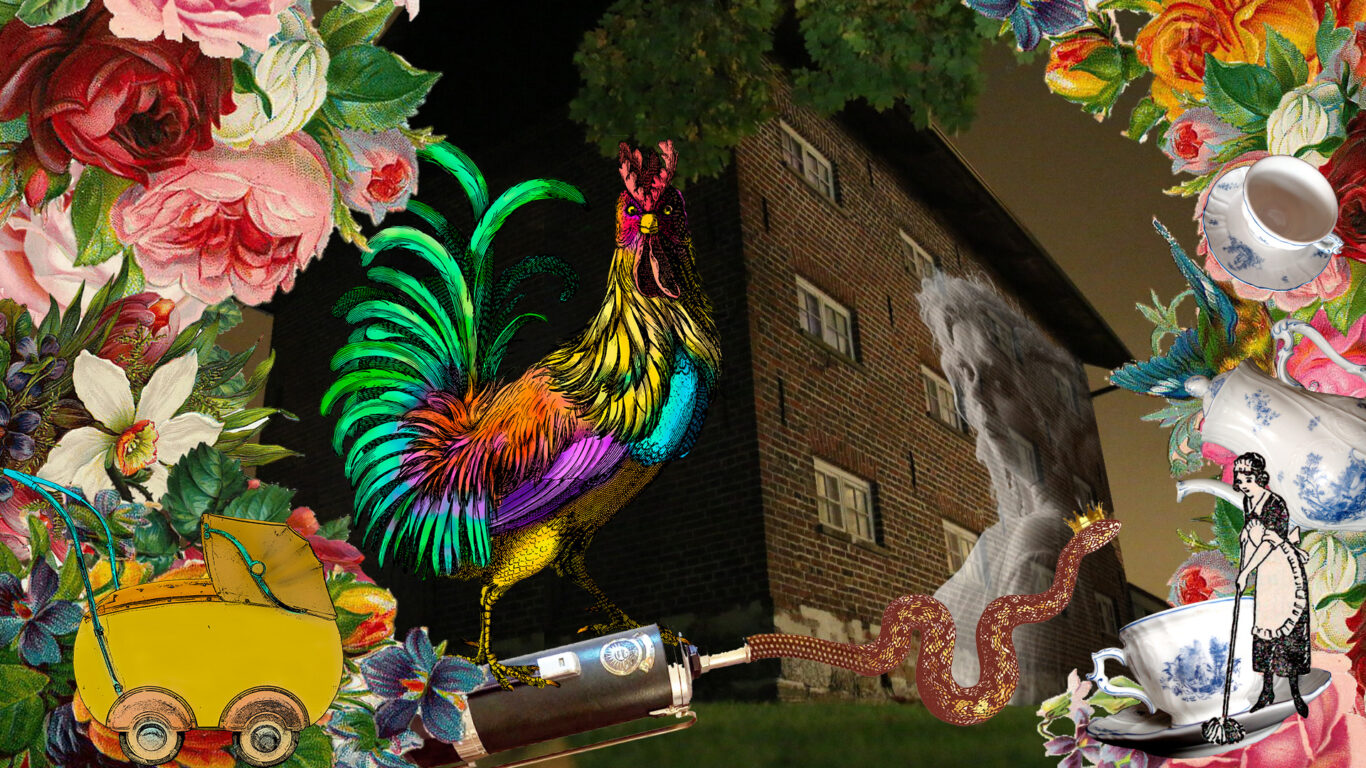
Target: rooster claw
[(527, 675)]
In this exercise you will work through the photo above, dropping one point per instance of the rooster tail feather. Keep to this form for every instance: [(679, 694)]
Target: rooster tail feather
[(420, 342)]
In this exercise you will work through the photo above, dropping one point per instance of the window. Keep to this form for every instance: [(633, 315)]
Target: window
[(844, 501), (810, 164), (917, 260), (824, 318), (1109, 619), (960, 542), (1083, 491), (1067, 391), (1002, 339), (940, 400), (1025, 459)]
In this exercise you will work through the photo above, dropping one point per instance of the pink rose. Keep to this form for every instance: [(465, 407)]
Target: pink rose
[(1332, 734), (1311, 367), (1222, 456), (1195, 138), (1204, 576), (221, 27), (1330, 284), (38, 257), (231, 223), (383, 174)]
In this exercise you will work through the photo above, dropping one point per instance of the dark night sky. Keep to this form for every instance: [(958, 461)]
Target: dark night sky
[(1086, 193)]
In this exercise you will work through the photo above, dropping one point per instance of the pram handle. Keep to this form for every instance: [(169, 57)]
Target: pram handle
[(40, 485)]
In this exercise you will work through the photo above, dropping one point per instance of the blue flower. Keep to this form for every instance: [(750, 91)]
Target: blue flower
[(414, 681), (1032, 19), (35, 617)]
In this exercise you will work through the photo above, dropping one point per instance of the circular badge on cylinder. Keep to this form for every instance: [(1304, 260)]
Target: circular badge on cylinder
[(625, 655)]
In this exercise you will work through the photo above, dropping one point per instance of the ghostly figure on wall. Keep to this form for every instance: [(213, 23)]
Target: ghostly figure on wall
[(1002, 369)]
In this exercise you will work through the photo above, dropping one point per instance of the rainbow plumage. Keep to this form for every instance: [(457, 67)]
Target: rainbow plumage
[(460, 475)]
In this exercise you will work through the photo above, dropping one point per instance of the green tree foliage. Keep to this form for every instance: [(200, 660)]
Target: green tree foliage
[(701, 72)]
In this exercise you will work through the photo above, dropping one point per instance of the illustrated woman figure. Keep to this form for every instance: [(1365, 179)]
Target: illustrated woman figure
[(1270, 549)]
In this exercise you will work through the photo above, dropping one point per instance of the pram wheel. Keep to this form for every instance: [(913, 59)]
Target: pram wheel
[(151, 740), (265, 741)]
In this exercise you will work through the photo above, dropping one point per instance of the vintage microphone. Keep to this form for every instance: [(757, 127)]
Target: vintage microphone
[(633, 674)]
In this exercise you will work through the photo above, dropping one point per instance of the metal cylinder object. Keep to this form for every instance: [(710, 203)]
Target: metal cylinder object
[(604, 681)]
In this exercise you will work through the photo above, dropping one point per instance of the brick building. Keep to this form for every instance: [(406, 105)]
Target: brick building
[(837, 469)]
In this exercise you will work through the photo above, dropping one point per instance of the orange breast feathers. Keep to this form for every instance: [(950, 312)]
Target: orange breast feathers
[(491, 442)]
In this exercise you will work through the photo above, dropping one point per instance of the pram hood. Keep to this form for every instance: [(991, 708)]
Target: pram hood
[(292, 572)]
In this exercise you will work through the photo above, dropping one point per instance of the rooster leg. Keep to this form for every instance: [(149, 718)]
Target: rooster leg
[(504, 673), (572, 567)]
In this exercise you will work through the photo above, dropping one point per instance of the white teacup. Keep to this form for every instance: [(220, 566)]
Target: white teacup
[(1289, 205), (1180, 657)]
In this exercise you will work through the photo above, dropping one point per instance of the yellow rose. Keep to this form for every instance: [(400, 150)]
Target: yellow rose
[(130, 572), (1174, 44), (378, 605)]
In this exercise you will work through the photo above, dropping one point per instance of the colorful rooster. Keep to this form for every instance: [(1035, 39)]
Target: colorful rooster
[(462, 476)]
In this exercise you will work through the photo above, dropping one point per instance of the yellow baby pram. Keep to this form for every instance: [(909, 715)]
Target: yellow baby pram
[(253, 649)]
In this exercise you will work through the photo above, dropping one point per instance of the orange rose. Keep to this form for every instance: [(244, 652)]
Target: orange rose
[(1174, 44), (1348, 12)]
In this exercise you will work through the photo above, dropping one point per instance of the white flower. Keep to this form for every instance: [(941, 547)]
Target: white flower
[(293, 74), (1332, 569), (361, 6), (1305, 117), (144, 436)]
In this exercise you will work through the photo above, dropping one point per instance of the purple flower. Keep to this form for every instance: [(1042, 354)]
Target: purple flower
[(41, 361), (1079, 749), (413, 681), (16, 433), (35, 617)]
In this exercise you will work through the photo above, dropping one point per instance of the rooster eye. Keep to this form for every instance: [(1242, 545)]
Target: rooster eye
[(668, 210), (631, 210)]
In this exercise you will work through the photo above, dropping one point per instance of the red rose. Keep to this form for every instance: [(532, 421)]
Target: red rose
[(128, 106), (1346, 171)]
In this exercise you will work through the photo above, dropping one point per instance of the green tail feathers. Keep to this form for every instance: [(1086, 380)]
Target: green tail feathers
[(413, 337)]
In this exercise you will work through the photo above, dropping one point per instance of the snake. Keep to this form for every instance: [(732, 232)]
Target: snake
[(941, 694)]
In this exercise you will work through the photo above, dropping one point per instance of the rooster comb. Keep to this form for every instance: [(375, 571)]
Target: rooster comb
[(647, 178)]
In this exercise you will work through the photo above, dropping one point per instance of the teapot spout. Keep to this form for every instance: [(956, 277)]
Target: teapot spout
[(1214, 487)]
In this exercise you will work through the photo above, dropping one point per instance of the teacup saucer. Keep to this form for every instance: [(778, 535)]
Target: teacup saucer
[(1229, 237), (1134, 728)]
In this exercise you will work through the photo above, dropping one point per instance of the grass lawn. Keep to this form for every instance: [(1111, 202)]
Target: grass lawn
[(844, 734)]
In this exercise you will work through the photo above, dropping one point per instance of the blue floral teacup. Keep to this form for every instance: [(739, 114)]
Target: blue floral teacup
[(1180, 657)]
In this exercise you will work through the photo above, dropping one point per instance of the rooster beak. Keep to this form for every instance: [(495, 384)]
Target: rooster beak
[(649, 224)]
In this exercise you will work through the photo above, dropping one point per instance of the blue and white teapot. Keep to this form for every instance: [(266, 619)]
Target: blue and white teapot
[(1314, 444)]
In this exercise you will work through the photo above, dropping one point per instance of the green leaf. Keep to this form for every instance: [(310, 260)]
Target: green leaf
[(1112, 704), (256, 454), (91, 201), (244, 81), (313, 751), (21, 723), (1137, 6), (343, 27), (347, 621), (203, 481), (269, 503), (1242, 95), (1284, 60), (1228, 525), (37, 13), (69, 583), (1353, 597), (155, 537), (9, 562), (1192, 541), (1329, 39), (18, 682), (37, 538), (1347, 308), (337, 529), (16, 130), (371, 89)]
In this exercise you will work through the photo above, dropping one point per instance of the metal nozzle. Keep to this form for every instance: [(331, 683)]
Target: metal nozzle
[(728, 659)]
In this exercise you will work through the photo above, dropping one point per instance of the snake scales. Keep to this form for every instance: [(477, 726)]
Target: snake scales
[(1000, 670)]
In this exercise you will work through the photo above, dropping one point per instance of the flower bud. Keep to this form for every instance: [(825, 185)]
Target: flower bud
[(378, 605), (1089, 69), (293, 74), (1306, 117)]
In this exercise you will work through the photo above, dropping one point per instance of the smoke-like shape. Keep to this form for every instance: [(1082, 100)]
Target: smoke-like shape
[(1001, 390)]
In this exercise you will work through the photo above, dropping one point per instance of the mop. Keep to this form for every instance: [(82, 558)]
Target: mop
[(1224, 729)]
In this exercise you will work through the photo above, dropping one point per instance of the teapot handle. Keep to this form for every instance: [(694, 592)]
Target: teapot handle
[(1284, 332)]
